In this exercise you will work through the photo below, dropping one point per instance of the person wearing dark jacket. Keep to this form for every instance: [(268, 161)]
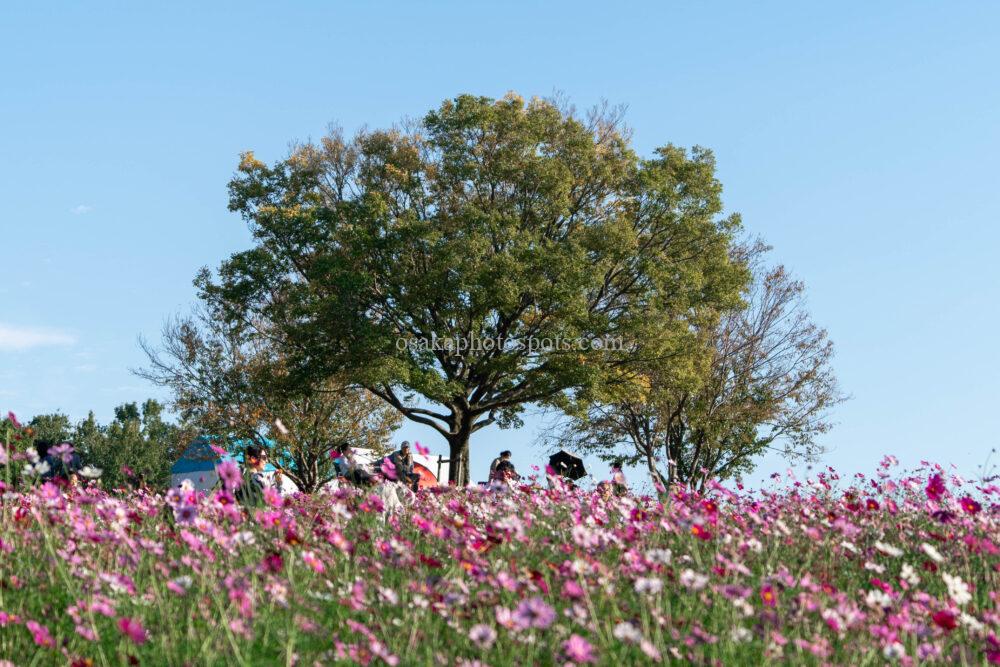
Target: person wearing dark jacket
[(62, 461), (402, 460)]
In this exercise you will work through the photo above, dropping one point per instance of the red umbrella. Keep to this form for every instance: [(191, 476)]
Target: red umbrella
[(427, 478)]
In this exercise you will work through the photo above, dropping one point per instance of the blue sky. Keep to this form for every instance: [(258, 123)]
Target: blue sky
[(862, 141)]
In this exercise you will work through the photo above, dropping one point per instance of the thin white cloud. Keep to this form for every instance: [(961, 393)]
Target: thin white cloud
[(14, 338), (80, 209)]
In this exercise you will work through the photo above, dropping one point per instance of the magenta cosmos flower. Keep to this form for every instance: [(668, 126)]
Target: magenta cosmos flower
[(969, 505), (935, 487), (39, 632), (579, 650), (132, 628)]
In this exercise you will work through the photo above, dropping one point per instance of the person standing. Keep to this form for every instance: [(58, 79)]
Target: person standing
[(251, 489), (402, 460)]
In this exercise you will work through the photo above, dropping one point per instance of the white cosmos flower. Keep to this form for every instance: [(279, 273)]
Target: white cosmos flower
[(36, 469), (691, 579), (909, 575), (893, 651), (878, 599), (648, 585), (626, 632), (740, 634), (958, 590), (931, 552), (661, 556), (91, 472), (971, 622), (888, 549), (874, 567)]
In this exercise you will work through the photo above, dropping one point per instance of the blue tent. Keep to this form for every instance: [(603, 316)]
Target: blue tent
[(197, 463)]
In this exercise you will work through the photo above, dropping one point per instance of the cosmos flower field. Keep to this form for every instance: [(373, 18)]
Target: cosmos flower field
[(894, 568)]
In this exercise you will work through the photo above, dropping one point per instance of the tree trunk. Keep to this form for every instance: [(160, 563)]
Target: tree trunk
[(661, 485), (458, 468), (458, 451)]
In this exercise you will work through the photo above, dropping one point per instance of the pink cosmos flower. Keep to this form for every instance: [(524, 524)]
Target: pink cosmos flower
[(572, 590), (388, 469), (64, 451), (39, 632), (230, 475), (179, 585), (482, 636), (273, 497), (650, 650), (132, 628), (579, 650), (313, 561), (534, 613), (423, 451), (186, 513), (768, 596), (701, 532)]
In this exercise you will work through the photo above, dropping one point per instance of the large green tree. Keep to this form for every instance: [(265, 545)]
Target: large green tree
[(463, 266)]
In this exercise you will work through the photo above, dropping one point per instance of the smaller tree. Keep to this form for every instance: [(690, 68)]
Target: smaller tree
[(761, 381), (138, 445), (233, 383), (55, 427)]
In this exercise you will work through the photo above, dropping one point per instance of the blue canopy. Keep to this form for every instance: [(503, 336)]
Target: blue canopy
[(200, 457)]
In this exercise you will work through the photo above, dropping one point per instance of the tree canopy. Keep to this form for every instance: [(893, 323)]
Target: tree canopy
[(494, 254)]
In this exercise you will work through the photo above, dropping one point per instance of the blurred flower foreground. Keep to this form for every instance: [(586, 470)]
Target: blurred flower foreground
[(896, 568)]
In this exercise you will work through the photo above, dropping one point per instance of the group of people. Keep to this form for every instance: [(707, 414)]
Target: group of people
[(399, 468), (502, 471), (57, 462)]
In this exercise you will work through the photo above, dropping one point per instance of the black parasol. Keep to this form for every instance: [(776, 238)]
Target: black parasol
[(567, 465)]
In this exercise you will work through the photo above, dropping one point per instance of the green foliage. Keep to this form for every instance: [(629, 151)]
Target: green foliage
[(55, 427), (759, 379), (489, 220), (138, 440)]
